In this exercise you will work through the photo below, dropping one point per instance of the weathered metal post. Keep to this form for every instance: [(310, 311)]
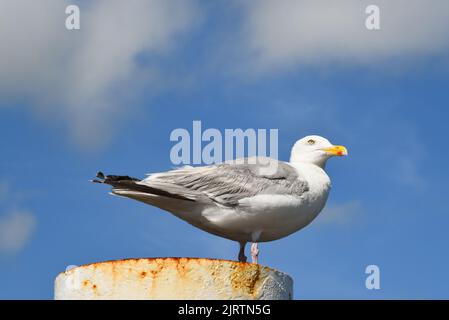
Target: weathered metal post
[(173, 278)]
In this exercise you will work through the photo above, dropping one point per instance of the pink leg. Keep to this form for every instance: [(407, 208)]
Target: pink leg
[(254, 252)]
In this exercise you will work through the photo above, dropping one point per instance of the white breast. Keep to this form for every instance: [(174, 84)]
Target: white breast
[(274, 216)]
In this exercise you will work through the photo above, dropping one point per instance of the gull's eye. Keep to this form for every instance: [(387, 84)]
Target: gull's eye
[(311, 141)]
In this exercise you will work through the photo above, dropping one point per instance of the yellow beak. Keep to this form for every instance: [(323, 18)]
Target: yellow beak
[(336, 151)]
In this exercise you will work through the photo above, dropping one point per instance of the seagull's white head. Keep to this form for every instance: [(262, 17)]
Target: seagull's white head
[(316, 150)]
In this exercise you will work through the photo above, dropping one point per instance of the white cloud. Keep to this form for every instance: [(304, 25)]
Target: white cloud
[(16, 226), (16, 229), (282, 33), (343, 213), (85, 77)]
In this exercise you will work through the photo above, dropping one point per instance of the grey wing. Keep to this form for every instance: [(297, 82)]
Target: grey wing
[(229, 182)]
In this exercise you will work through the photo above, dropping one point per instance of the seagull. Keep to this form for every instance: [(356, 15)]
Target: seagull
[(254, 199)]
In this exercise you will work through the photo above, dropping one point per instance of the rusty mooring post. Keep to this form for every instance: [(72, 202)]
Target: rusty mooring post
[(173, 278)]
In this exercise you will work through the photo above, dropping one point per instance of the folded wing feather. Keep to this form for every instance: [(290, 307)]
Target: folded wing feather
[(229, 182)]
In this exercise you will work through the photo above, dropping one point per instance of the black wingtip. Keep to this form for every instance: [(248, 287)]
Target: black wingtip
[(111, 179), (100, 175)]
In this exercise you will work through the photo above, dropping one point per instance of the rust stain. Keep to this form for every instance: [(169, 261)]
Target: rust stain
[(159, 260), (154, 273), (181, 267), (113, 272), (136, 260), (95, 290), (87, 283), (245, 277), (158, 268)]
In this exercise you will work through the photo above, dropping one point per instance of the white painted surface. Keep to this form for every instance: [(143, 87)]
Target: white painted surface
[(173, 278)]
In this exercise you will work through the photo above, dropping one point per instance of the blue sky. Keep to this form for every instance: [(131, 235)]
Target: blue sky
[(108, 96)]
